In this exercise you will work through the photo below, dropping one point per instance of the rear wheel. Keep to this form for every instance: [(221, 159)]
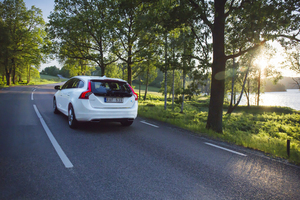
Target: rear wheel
[(71, 117), (126, 123), (55, 110)]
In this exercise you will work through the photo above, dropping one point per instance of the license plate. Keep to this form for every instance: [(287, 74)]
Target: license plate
[(113, 100)]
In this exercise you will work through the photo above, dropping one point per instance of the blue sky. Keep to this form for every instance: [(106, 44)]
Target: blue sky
[(45, 5)]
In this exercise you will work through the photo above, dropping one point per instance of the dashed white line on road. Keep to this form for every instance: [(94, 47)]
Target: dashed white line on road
[(32, 94), (149, 124), (225, 149), (55, 144)]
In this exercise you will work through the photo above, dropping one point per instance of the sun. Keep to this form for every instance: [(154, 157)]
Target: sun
[(261, 62), (277, 60)]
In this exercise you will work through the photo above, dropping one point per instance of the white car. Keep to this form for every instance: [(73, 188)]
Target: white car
[(94, 99)]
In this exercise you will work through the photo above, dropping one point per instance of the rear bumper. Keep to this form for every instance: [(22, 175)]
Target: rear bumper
[(84, 112)]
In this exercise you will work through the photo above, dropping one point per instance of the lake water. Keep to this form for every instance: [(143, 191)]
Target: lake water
[(290, 98)]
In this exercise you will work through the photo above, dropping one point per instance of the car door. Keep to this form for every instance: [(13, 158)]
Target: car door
[(59, 96), (65, 95)]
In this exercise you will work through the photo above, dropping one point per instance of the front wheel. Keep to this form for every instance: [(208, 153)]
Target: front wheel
[(71, 117), (126, 123)]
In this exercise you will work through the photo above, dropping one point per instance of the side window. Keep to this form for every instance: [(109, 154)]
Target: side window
[(66, 85), (75, 83), (80, 84)]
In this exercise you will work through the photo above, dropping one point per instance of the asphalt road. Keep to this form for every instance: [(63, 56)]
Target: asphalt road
[(42, 158)]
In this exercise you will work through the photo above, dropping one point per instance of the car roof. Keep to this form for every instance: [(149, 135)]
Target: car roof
[(98, 78)]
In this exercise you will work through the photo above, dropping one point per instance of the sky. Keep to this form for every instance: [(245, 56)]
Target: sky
[(45, 5)]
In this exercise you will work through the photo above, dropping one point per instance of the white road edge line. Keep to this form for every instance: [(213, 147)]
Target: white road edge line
[(225, 149), (149, 124), (55, 144)]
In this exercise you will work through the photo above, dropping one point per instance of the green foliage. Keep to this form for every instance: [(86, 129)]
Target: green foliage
[(113, 71), (177, 83), (22, 40), (83, 30), (52, 70)]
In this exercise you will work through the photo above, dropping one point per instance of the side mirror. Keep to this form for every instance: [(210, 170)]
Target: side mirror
[(57, 87)]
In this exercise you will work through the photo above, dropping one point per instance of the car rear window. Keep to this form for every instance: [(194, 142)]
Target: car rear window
[(110, 88)]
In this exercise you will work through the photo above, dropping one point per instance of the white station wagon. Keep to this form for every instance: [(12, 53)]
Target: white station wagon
[(94, 99)]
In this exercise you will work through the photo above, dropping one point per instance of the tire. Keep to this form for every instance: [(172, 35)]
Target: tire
[(55, 110), (73, 123), (126, 123)]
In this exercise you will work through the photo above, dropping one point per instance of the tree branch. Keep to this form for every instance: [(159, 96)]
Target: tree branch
[(245, 51), (291, 37), (202, 13), (232, 8)]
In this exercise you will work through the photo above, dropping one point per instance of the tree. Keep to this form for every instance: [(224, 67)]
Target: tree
[(177, 85), (52, 70), (132, 31), (257, 63), (294, 62), (80, 30), (149, 73), (254, 23), (146, 70), (25, 37), (114, 71), (244, 72)]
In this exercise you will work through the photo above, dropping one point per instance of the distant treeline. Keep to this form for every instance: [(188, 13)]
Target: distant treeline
[(282, 85)]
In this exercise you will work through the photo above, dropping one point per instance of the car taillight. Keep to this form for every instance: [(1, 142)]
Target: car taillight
[(135, 94), (86, 94)]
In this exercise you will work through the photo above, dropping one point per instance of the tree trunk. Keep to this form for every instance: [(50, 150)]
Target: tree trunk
[(232, 86), (234, 96), (13, 71), (231, 109), (166, 69), (173, 89), (183, 86), (28, 77), (248, 98), (102, 70), (258, 87), (147, 81), (8, 78), (7, 72), (215, 113), (139, 86), (129, 73), (184, 64), (102, 59)]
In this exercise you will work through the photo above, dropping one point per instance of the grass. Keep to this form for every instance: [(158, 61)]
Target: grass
[(151, 89), (44, 79), (266, 129), (47, 79)]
